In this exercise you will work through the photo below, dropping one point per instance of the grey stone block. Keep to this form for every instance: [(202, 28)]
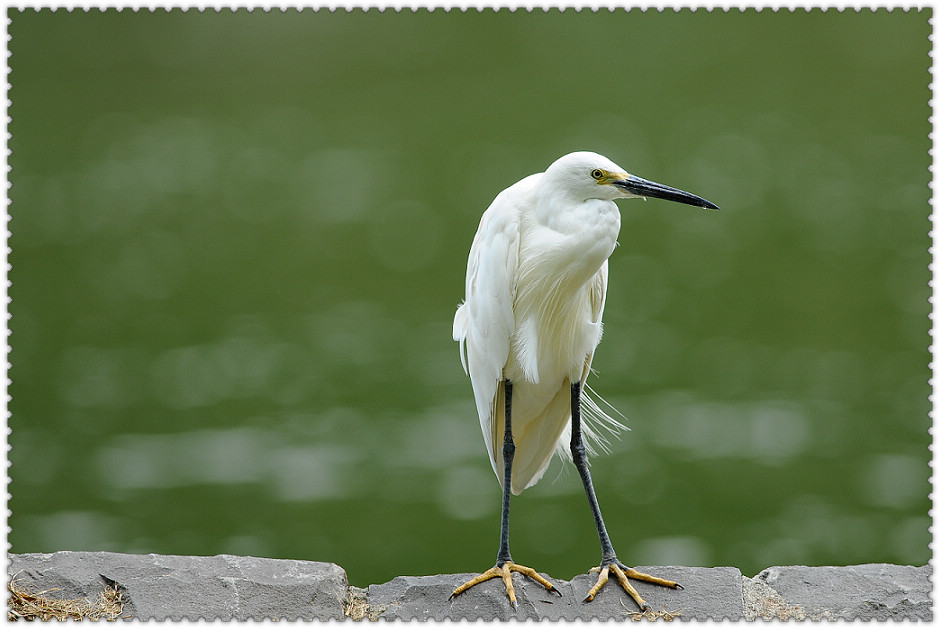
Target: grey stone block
[(247, 588), (868, 591), (176, 587)]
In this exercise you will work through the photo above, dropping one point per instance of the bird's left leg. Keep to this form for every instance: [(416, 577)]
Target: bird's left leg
[(609, 561)]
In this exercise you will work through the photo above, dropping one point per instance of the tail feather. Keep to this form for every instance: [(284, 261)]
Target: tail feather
[(598, 427)]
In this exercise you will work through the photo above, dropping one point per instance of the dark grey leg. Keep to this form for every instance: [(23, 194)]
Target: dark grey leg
[(504, 564), (509, 451), (579, 455)]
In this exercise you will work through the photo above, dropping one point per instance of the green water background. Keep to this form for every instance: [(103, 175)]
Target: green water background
[(238, 241)]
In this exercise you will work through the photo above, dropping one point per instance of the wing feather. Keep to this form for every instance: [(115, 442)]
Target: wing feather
[(484, 322)]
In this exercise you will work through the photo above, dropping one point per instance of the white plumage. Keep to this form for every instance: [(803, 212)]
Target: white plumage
[(535, 290)]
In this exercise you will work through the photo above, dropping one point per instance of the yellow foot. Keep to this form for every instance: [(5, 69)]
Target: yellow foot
[(622, 572), (505, 572)]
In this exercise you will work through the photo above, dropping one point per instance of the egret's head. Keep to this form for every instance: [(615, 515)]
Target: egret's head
[(588, 175)]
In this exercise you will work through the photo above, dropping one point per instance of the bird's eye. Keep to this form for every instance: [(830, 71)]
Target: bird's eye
[(597, 174)]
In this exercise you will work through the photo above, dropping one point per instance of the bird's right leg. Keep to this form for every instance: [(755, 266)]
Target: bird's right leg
[(609, 561), (504, 564)]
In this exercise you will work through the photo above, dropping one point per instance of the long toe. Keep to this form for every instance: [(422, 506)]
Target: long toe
[(648, 578), (601, 580), (486, 576), (628, 587), (535, 576)]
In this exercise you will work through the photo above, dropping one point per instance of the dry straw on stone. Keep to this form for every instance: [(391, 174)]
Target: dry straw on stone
[(32, 606)]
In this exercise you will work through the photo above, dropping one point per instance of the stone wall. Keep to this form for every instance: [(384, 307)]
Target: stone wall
[(229, 587)]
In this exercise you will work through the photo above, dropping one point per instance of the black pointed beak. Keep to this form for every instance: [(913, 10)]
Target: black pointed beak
[(645, 188)]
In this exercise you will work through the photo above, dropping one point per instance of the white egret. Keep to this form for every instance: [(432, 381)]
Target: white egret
[(529, 324)]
